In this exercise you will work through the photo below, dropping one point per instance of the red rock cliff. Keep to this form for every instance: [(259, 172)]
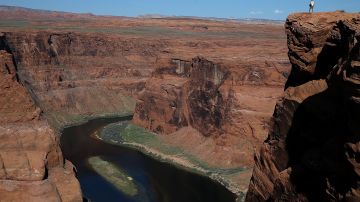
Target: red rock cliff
[(311, 153), (185, 94), (32, 167), (64, 70)]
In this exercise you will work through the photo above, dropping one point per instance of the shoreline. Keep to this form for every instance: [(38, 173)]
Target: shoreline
[(179, 162), (183, 164), (59, 128), (173, 160)]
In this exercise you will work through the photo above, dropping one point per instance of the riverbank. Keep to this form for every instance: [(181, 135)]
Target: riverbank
[(130, 135), (154, 180), (76, 120), (234, 179), (63, 118)]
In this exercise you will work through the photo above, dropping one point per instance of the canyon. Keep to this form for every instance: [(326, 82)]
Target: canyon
[(212, 89), (76, 67)]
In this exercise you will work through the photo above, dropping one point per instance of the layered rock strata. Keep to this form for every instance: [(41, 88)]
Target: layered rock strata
[(311, 153), (77, 75), (185, 94), (203, 108), (32, 167)]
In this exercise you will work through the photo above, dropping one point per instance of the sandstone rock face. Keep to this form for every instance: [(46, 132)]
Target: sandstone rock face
[(213, 110), (79, 75), (185, 94), (16, 104), (30, 157), (311, 151)]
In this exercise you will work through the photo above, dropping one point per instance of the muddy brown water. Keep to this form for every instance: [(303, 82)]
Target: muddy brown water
[(156, 181)]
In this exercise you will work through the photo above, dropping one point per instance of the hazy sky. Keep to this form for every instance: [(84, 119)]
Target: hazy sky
[(270, 9)]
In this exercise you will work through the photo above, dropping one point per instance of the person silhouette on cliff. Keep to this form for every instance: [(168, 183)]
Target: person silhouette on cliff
[(311, 6)]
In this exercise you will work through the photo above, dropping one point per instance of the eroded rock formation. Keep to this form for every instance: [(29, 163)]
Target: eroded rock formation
[(311, 153), (185, 94), (212, 110), (63, 71), (32, 167)]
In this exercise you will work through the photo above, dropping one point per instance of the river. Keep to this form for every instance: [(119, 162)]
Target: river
[(155, 181)]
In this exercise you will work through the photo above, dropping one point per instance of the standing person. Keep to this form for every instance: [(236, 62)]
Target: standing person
[(311, 5)]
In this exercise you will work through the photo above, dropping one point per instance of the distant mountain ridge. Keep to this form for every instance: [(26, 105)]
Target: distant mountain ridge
[(15, 12), (252, 20)]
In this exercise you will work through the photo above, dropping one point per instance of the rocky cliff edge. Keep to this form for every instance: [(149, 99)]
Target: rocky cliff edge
[(312, 151)]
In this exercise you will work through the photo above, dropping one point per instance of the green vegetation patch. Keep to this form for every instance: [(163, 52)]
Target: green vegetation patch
[(114, 175), (13, 23), (61, 120), (126, 133)]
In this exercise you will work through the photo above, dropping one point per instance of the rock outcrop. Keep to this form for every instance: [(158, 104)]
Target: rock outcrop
[(16, 104), (311, 153), (185, 94), (32, 167), (210, 110)]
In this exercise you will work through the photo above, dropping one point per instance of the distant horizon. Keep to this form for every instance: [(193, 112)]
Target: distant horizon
[(227, 9), (150, 15)]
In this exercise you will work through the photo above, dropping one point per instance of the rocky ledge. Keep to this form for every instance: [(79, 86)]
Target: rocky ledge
[(312, 151), (32, 167)]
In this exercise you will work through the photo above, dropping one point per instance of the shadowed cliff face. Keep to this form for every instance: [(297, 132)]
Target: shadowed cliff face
[(192, 98), (16, 104), (207, 105), (311, 153)]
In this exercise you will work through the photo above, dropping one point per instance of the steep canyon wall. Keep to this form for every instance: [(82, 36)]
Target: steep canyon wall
[(311, 153), (32, 167)]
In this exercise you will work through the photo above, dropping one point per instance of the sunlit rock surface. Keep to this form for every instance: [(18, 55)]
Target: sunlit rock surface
[(32, 167)]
